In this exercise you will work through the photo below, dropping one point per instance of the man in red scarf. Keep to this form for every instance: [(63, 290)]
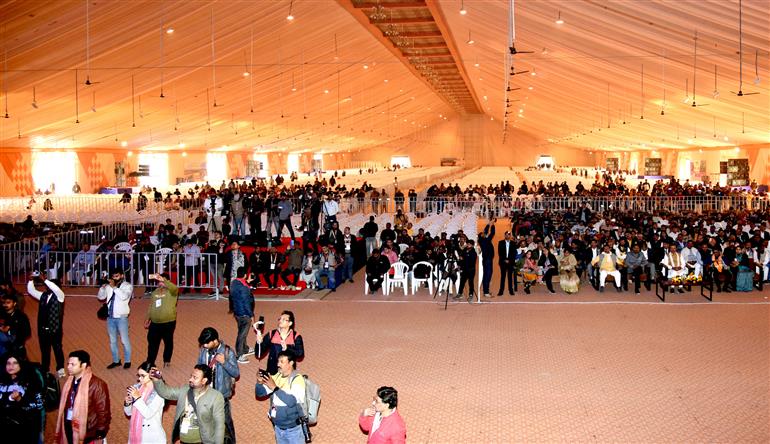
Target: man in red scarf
[(84, 407)]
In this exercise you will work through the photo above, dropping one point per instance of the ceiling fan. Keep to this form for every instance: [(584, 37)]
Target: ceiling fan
[(514, 72), (740, 92), (509, 89), (514, 51), (715, 94), (88, 81), (34, 99)]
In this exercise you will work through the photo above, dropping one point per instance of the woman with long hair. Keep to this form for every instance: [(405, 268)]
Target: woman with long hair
[(568, 278), (145, 408), (21, 401)]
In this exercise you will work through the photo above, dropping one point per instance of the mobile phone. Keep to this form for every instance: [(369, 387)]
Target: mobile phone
[(263, 373), (155, 373)]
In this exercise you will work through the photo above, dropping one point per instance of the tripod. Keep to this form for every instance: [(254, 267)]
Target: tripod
[(444, 279)]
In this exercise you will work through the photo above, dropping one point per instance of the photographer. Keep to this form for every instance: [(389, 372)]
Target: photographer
[(224, 371), (279, 340), (117, 293), (50, 320), (286, 389), (200, 410)]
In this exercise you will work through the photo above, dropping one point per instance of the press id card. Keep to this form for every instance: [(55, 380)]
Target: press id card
[(158, 302), (185, 426)]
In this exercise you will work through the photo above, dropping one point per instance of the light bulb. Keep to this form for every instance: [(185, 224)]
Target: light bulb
[(246, 73), (289, 17), (124, 143), (559, 21), (170, 31)]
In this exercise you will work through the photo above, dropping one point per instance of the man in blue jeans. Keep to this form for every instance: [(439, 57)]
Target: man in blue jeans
[(117, 293), (326, 264), (243, 311), (286, 389)]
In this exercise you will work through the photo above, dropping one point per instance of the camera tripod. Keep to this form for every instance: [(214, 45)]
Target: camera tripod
[(444, 279)]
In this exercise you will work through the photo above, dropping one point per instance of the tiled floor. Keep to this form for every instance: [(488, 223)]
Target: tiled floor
[(588, 368), (493, 372)]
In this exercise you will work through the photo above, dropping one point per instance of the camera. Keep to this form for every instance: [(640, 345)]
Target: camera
[(302, 421), (155, 373)]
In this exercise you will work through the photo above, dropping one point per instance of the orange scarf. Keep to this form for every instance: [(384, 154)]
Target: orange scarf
[(79, 410), (717, 263)]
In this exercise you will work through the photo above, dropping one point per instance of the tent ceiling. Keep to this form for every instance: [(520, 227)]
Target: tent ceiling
[(375, 94)]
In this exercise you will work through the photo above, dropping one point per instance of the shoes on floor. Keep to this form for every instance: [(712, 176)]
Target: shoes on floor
[(127, 365), (113, 365), (243, 360)]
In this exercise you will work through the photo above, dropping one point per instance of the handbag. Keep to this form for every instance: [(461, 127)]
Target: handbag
[(104, 311)]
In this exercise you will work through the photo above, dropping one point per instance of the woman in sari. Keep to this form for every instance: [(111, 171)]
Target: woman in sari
[(568, 277)]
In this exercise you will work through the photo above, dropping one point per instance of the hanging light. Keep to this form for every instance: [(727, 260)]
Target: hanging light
[(559, 21), (470, 39), (463, 11), (290, 17)]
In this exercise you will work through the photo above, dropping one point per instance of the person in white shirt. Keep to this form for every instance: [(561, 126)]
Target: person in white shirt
[(192, 264), (144, 407), (691, 257), (50, 319), (117, 293), (675, 266)]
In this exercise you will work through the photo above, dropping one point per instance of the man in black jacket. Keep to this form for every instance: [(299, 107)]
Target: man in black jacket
[(487, 255), (506, 253), (468, 259), (17, 323), (376, 267)]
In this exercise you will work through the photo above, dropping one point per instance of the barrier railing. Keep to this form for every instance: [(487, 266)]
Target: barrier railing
[(94, 234), (199, 271)]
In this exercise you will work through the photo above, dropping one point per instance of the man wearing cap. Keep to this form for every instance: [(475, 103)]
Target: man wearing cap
[(117, 293)]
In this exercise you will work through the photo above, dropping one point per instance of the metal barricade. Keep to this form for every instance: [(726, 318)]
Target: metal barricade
[(192, 270)]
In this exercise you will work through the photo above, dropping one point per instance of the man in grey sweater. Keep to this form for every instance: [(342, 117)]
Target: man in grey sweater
[(636, 263), (284, 215)]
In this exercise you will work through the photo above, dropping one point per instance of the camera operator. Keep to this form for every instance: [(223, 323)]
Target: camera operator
[(468, 258), (330, 209), (200, 411), (286, 389), (117, 293), (280, 339), (224, 371), (50, 320)]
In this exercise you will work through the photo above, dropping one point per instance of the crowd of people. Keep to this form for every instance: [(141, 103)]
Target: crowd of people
[(203, 411)]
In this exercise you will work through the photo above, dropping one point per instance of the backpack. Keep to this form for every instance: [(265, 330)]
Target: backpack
[(312, 399), (51, 388)]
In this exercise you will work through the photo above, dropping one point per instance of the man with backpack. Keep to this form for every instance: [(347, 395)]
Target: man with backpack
[(286, 389), (223, 362)]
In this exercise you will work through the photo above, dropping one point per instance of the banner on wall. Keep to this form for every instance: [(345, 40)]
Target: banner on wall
[(652, 166), (612, 164)]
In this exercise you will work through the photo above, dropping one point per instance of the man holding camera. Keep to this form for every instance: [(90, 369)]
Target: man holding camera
[(224, 371), (286, 389), (50, 320), (200, 410), (161, 319), (117, 293)]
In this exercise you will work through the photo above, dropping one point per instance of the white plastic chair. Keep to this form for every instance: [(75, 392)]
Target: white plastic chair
[(400, 276), (383, 287), (160, 259), (416, 282), (124, 247)]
